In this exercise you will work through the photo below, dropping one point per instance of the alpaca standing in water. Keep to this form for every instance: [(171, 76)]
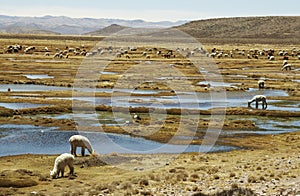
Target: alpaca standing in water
[(258, 98)]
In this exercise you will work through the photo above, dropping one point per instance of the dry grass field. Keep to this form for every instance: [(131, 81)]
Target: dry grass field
[(264, 165)]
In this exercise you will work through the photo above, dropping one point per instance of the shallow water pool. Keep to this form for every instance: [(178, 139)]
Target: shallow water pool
[(17, 106), (38, 76), (23, 139)]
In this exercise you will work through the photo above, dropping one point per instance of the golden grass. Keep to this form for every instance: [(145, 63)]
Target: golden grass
[(243, 170)]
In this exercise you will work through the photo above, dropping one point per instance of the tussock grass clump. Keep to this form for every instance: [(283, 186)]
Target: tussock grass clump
[(252, 179), (232, 174), (216, 177), (212, 170), (144, 182), (234, 186), (126, 185), (17, 183), (4, 112), (182, 176), (195, 176)]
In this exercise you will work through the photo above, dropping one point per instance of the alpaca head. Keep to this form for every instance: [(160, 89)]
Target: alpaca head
[(94, 154), (53, 173), (249, 103)]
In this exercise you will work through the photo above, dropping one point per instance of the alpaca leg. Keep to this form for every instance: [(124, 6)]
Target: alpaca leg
[(71, 169), (62, 172), (82, 151), (256, 104), (72, 150), (264, 105), (75, 151), (58, 172)]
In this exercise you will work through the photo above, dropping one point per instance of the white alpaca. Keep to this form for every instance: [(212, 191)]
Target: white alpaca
[(80, 141), (60, 163), (286, 67), (259, 98), (271, 58), (136, 117), (261, 83), (56, 55)]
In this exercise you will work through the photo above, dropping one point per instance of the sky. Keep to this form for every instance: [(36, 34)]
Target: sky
[(151, 10)]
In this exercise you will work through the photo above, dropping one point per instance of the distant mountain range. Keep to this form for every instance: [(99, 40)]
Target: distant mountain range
[(267, 29), (67, 25)]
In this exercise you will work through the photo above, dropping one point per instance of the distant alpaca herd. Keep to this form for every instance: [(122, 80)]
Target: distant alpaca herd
[(67, 159)]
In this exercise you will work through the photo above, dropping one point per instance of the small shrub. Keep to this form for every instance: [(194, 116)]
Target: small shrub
[(231, 175), (262, 178), (182, 176), (234, 186), (126, 185), (216, 177), (258, 168), (195, 176), (144, 182), (152, 176)]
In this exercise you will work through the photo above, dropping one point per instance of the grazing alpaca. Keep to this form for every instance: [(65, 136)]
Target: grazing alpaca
[(286, 67), (60, 163), (136, 117), (259, 98), (56, 55), (261, 83), (271, 58), (80, 141)]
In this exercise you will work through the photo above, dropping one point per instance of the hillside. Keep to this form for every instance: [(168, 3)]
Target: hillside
[(270, 27), (114, 28), (28, 30)]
